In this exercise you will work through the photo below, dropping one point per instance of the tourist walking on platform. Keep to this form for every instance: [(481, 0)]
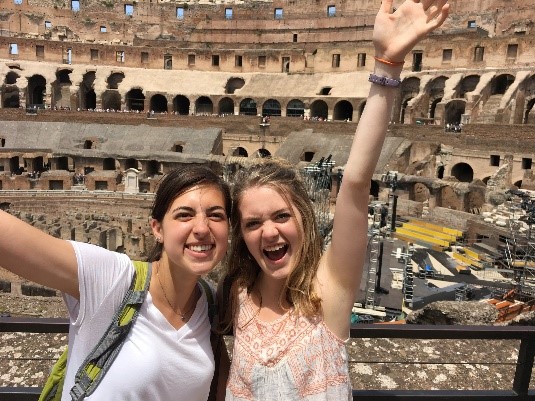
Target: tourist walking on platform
[(167, 353), (290, 304)]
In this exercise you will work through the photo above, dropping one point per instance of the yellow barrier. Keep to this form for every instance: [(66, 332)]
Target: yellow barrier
[(413, 240), (436, 227), (467, 260), (422, 236), (472, 253), (432, 233)]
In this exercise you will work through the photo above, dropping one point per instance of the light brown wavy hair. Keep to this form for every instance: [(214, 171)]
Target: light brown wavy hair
[(242, 269)]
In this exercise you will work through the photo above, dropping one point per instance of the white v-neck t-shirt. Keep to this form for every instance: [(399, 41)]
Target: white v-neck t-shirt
[(156, 361)]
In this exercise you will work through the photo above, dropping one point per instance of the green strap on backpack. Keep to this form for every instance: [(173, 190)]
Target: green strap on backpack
[(99, 360)]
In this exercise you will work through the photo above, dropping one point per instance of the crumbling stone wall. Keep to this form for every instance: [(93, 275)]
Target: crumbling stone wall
[(112, 223)]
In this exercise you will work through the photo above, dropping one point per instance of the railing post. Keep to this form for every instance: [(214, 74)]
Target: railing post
[(524, 366)]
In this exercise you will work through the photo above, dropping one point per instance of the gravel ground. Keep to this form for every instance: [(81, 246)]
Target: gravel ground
[(26, 358)]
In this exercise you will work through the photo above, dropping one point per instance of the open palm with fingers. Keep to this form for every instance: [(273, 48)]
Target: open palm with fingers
[(400, 30)]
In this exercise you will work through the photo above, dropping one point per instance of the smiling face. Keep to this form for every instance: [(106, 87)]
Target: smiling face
[(194, 230), (271, 229)]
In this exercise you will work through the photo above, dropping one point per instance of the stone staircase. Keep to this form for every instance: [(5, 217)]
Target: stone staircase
[(490, 109)]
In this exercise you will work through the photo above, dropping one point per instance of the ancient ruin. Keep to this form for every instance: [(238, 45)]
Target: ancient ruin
[(99, 99)]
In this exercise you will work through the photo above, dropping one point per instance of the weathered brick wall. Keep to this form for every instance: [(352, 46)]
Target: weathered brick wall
[(118, 225), (449, 218)]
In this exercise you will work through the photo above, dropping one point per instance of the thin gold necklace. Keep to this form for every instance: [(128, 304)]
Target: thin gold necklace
[(182, 316)]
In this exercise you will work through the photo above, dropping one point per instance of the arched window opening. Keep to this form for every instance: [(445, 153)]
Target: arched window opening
[(454, 111), (343, 111), (440, 172), (239, 151), (181, 105), (135, 100), (248, 107), (226, 106), (295, 108), (263, 153), (319, 110), (111, 100), (271, 108), (158, 104), (463, 172), (36, 91), (114, 80), (204, 106)]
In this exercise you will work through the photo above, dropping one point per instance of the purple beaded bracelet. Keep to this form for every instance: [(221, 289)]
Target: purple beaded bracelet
[(384, 81)]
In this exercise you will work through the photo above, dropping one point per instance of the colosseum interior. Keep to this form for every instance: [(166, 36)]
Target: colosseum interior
[(100, 98)]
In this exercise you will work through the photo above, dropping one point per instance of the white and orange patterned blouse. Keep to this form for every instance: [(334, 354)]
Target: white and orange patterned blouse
[(291, 358)]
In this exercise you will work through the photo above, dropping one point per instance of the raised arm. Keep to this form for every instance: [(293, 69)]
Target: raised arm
[(339, 274), (37, 256)]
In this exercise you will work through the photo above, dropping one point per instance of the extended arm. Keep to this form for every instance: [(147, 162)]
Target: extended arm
[(340, 271), (37, 256)]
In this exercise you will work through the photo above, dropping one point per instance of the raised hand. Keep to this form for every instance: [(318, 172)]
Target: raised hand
[(396, 33)]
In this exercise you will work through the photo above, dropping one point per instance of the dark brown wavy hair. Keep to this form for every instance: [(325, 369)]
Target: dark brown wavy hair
[(177, 182)]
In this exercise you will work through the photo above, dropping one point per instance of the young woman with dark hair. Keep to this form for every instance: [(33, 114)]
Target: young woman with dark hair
[(167, 354)]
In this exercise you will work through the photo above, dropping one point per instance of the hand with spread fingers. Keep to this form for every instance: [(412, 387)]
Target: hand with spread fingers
[(398, 30)]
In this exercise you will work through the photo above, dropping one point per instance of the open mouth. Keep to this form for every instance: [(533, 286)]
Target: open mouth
[(200, 248), (276, 252)]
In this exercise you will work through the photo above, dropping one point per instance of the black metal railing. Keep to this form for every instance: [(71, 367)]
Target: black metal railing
[(520, 382)]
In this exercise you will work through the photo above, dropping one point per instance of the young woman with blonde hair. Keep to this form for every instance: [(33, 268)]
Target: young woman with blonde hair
[(290, 305)]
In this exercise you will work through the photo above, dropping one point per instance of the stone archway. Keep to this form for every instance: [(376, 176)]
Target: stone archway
[(343, 111), (319, 109), (240, 151), (36, 91), (181, 105), (454, 111), (111, 99), (61, 89), (226, 106), (295, 108), (248, 107), (271, 107), (204, 105), (463, 172), (158, 103), (135, 100)]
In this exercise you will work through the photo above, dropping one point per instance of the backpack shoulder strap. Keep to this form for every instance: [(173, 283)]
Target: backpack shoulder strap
[(212, 307), (54, 383), (102, 356)]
